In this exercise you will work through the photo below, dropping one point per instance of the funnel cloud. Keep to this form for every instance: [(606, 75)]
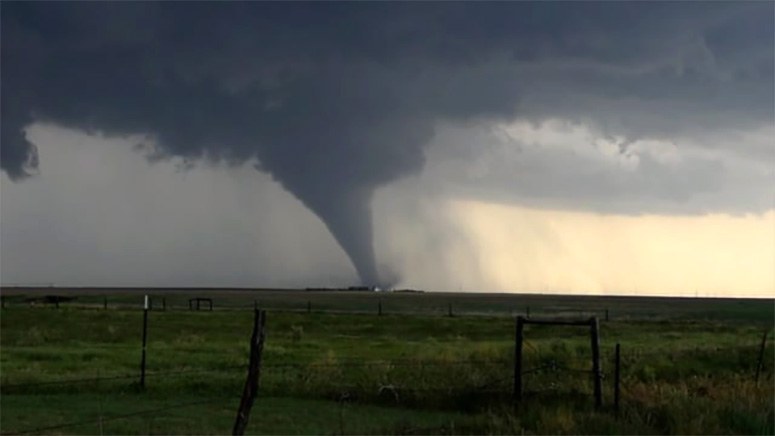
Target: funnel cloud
[(336, 100)]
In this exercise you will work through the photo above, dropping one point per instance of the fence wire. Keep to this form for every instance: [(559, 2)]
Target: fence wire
[(117, 377)]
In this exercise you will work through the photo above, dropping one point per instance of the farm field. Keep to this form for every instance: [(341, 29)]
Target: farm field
[(332, 364)]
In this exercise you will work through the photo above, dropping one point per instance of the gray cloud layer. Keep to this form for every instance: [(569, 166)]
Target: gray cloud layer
[(335, 100)]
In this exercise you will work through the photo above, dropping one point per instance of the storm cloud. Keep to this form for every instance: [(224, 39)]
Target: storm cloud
[(336, 100)]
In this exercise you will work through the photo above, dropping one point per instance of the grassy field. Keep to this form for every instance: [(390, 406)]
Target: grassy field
[(688, 364), (430, 303)]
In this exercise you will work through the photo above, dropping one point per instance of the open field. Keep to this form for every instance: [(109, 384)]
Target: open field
[(491, 304), (689, 365)]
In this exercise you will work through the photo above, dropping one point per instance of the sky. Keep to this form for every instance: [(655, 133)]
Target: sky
[(602, 148)]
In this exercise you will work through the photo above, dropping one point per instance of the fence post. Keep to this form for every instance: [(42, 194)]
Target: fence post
[(517, 393), (379, 307), (105, 302), (761, 356), (596, 370), (606, 314), (254, 370), (449, 311), (527, 312), (145, 340), (617, 377)]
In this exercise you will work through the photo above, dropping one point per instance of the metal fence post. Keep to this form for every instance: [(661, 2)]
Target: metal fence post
[(596, 370), (145, 340), (761, 356), (617, 377), (518, 336)]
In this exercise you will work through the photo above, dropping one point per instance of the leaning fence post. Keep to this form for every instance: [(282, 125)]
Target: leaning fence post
[(145, 340), (250, 390), (596, 371), (617, 377), (517, 393), (761, 356)]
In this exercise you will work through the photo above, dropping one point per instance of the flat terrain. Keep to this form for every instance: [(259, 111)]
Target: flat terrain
[(332, 364), (437, 303)]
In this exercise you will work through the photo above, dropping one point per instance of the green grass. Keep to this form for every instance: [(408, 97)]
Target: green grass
[(107, 414), (686, 370), (429, 303)]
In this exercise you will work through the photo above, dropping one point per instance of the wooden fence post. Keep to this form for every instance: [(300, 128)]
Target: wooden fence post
[(145, 340), (449, 310), (254, 371), (761, 356), (596, 370), (617, 377), (518, 336), (606, 314), (105, 302)]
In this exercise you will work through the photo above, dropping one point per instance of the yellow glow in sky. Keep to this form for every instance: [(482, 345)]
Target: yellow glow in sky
[(559, 251)]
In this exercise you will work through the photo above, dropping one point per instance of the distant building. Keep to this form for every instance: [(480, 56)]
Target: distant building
[(358, 288)]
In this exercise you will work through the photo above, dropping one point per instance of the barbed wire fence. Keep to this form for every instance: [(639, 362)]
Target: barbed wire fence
[(375, 305), (499, 385), (344, 393)]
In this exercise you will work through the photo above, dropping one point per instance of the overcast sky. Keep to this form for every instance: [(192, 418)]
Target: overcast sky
[(542, 147)]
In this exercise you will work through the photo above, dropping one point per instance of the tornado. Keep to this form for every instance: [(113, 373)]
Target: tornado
[(333, 100), (349, 217)]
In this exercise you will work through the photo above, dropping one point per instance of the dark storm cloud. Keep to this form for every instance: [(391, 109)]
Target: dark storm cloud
[(335, 100)]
